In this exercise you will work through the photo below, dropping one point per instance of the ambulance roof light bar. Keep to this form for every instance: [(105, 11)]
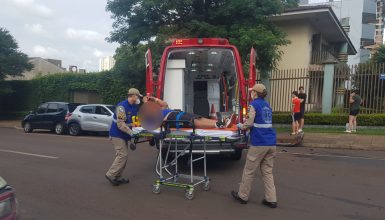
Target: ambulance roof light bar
[(200, 41)]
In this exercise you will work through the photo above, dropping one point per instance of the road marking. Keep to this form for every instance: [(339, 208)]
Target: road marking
[(28, 154), (68, 136), (336, 156)]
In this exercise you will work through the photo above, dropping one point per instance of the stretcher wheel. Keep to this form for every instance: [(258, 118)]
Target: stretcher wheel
[(132, 146), (206, 186), (189, 194), (156, 189)]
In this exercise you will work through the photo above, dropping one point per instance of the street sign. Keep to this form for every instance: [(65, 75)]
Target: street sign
[(382, 76)]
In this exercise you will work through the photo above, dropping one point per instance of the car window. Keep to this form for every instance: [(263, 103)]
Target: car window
[(62, 108), (72, 106), (87, 109), (42, 108), (100, 110), (52, 108), (111, 107)]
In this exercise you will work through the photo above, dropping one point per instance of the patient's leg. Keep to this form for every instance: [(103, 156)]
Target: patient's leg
[(205, 123)]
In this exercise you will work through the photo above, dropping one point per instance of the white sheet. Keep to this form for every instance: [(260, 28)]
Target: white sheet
[(201, 132)]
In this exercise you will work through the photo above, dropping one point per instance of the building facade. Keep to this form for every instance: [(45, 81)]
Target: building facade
[(106, 63), (364, 22), (41, 67)]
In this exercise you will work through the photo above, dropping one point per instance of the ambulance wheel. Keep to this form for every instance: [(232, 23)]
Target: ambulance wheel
[(237, 155), (156, 189), (189, 194)]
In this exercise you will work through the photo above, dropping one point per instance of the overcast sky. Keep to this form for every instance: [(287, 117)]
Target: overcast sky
[(73, 31)]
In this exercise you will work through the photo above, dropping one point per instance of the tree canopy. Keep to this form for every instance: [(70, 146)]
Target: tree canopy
[(12, 61), (379, 55), (244, 22)]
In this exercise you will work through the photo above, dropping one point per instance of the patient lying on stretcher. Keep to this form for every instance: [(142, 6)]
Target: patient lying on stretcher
[(154, 108)]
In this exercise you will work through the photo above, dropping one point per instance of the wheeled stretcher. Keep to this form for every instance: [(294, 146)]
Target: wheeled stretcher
[(173, 144)]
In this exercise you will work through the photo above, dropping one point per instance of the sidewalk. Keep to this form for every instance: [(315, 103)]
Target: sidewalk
[(311, 140)]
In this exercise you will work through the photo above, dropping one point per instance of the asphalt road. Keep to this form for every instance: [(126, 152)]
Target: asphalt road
[(62, 177)]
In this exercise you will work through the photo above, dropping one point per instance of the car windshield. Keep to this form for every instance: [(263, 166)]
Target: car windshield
[(111, 107), (2, 183)]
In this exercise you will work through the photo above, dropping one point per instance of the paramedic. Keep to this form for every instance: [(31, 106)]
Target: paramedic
[(261, 154), (120, 134), (199, 121)]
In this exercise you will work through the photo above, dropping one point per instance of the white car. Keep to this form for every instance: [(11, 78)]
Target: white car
[(92, 117)]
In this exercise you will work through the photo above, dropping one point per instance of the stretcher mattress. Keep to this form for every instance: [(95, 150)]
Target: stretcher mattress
[(218, 133)]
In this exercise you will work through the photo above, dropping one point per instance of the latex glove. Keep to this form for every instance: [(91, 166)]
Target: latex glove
[(240, 126)]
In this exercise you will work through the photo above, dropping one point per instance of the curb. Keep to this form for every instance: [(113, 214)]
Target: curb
[(347, 147)]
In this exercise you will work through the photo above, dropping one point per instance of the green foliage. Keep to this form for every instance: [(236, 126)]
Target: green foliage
[(244, 23), (27, 95), (379, 55), (12, 61), (332, 119)]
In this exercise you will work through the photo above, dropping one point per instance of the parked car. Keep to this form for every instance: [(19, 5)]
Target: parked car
[(93, 117), (49, 115), (8, 204)]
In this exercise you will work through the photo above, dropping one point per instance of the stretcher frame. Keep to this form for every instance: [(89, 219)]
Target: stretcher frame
[(168, 140)]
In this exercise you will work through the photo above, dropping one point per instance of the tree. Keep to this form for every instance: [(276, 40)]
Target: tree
[(12, 61), (245, 23), (379, 55)]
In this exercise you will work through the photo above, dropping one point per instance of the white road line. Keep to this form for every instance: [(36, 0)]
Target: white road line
[(68, 136), (28, 154), (336, 156)]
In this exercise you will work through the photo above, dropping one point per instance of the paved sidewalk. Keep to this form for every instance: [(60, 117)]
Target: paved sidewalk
[(311, 140)]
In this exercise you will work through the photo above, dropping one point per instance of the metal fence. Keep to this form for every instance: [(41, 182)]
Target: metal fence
[(284, 82), (369, 79)]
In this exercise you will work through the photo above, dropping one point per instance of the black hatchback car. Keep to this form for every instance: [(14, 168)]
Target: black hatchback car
[(49, 115)]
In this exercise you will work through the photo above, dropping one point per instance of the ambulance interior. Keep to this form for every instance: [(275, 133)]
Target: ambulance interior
[(202, 81)]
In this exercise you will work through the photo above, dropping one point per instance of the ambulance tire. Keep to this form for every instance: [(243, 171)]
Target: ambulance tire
[(237, 155)]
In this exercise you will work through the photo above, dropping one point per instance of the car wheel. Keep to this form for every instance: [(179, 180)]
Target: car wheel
[(74, 129), (27, 128), (59, 128), (237, 155)]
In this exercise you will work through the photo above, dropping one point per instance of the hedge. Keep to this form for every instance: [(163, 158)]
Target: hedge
[(27, 95), (332, 119)]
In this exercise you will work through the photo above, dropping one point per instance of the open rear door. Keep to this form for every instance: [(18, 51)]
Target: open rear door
[(149, 76), (252, 71)]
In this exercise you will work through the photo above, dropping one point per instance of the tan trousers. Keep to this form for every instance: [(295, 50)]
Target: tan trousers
[(117, 167), (262, 159)]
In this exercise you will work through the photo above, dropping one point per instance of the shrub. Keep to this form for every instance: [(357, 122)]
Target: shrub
[(332, 119)]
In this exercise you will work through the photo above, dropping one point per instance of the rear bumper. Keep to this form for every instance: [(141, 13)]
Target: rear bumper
[(212, 147)]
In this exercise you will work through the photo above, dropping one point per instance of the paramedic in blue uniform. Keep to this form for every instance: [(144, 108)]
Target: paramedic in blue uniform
[(120, 134), (262, 149)]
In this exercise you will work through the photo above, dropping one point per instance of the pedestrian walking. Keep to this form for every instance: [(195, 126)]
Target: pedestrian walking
[(120, 134), (262, 150)]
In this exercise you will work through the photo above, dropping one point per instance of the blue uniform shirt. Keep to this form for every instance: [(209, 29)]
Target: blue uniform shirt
[(262, 133), (130, 110)]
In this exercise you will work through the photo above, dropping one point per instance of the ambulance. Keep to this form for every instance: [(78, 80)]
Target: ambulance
[(204, 76)]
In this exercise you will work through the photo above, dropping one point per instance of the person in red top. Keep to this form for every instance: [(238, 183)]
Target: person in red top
[(296, 112)]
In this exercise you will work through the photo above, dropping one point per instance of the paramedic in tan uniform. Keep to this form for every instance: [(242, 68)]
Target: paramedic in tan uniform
[(120, 133), (262, 150)]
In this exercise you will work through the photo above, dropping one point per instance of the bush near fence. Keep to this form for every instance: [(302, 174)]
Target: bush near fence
[(28, 94), (332, 119)]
